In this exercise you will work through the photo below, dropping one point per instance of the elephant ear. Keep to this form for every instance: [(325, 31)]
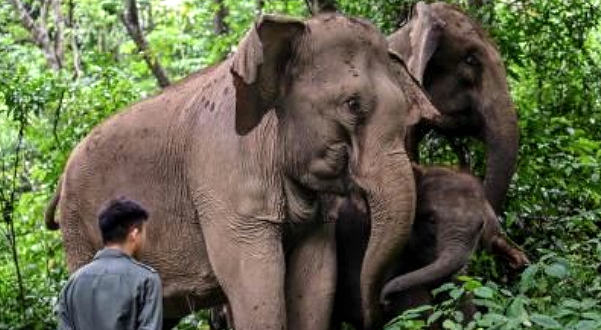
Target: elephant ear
[(420, 105), (257, 67), (423, 31)]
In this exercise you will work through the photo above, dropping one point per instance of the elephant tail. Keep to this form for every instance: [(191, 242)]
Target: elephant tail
[(51, 223)]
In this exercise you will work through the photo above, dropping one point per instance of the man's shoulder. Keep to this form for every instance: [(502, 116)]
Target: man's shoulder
[(143, 267)]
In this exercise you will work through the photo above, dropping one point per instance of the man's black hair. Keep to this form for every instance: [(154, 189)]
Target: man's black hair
[(117, 217)]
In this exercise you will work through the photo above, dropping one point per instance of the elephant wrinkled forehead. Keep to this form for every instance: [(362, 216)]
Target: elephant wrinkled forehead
[(335, 33), (446, 181), (460, 24)]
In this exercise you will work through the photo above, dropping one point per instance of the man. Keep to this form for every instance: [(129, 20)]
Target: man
[(114, 291)]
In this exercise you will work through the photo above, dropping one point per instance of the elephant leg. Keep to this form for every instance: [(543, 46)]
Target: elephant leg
[(221, 318), (248, 261), (311, 280)]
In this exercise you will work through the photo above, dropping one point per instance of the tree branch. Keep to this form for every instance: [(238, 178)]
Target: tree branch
[(259, 7), (38, 32), (70, 22), (131, 21), (59, 26), (7, 207), (320, 6)]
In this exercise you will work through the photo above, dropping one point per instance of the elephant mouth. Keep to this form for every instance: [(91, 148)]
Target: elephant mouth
[(460, 123), (330, 171), (336, 158)]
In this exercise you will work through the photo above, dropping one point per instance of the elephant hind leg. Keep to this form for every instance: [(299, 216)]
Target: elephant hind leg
[(80, 242)]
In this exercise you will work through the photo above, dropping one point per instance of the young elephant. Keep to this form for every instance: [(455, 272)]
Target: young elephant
[(453, 216)]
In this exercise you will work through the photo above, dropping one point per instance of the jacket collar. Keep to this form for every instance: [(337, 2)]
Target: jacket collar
[(111, 253)]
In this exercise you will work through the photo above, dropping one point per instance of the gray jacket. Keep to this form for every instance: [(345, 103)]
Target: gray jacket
[(113, 292)]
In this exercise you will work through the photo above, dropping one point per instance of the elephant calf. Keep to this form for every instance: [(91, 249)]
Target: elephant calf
[(453, 216)]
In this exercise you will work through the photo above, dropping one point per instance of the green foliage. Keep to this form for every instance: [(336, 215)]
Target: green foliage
[(538, 300), (551, 49)]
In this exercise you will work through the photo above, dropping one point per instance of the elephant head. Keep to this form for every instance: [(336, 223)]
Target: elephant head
[(342, 104), (453, 216), (463, 73)]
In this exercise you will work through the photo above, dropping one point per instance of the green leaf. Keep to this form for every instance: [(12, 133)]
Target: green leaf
[(571, 303), (443, 288), (450, 325), (589, 303), (556, 270), (545, 321), (491, 319), (587, 325), (484, 292), (517, 310), (490, 304), (434, 317), (592, 315)]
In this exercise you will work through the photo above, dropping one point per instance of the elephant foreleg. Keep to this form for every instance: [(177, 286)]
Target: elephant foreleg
[(248, 261), (311, 280)]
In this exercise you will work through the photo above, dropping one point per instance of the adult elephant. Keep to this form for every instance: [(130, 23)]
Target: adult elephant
[(232, 163), (463, 73)]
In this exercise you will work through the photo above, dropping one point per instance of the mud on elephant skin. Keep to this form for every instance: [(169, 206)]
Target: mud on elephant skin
[(463, 73), (453, 217), (232, 161)]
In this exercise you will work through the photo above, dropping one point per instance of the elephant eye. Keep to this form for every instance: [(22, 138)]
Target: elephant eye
[(353, 104), (472, 60)]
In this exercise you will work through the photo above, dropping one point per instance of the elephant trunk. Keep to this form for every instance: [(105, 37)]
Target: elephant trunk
[(387, 180), (501, 137), (448, 262)]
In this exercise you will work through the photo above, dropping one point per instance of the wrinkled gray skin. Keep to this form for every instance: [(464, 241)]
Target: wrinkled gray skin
[(463, 73), (453, 216), (232, 163)]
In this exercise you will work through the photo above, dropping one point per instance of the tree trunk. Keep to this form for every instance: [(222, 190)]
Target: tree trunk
[(319, 6), (53, 49), (74, 41), (260, 5), (131, 21), (219, 25), (59, 26)]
